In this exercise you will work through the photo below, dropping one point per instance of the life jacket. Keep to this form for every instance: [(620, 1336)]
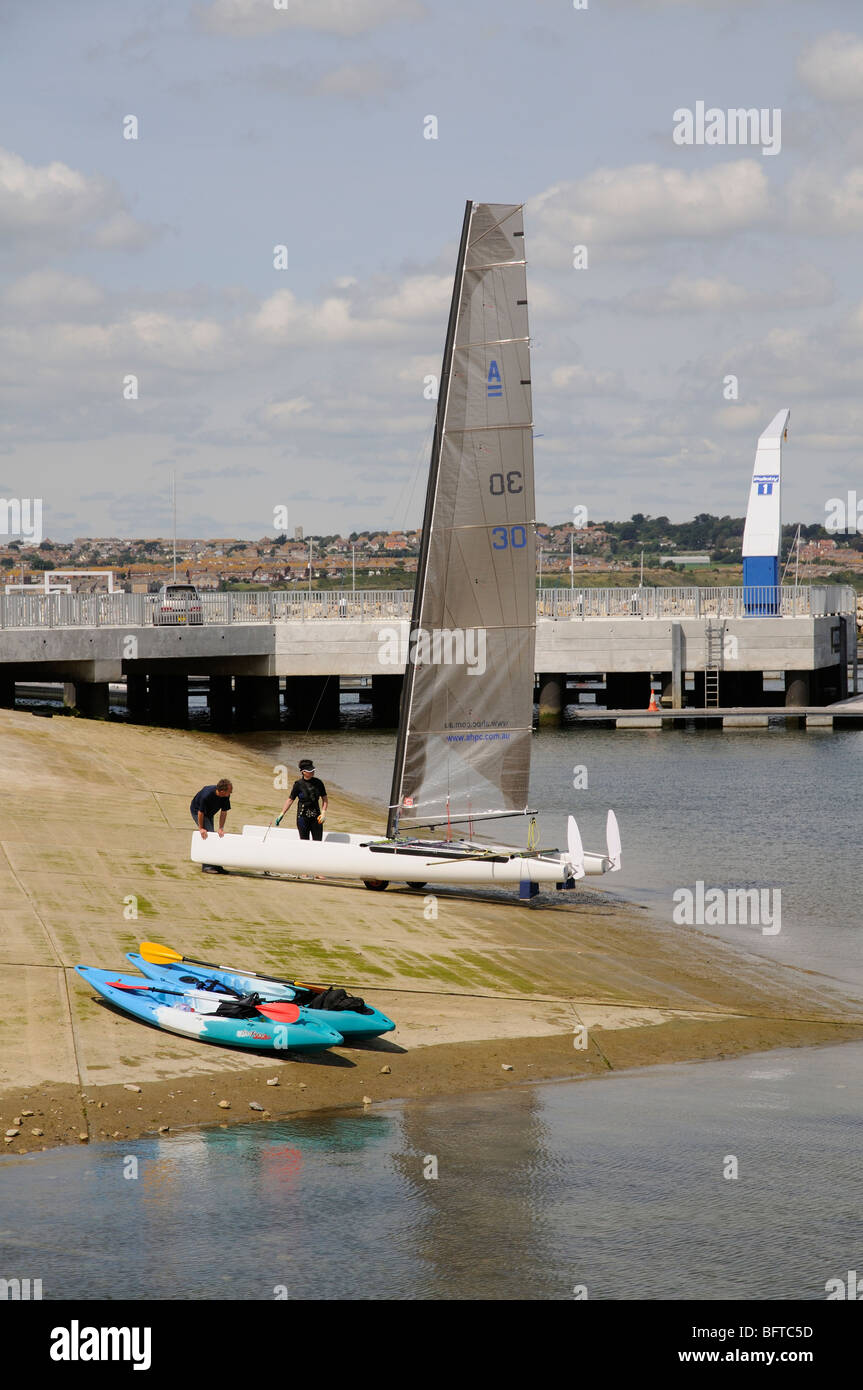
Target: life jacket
[(309, 802)]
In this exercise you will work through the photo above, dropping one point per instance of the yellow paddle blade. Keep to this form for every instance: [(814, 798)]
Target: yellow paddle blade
[(159, 955)]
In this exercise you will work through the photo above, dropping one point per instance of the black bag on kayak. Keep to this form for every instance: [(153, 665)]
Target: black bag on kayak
[(333, 999), (244, 1007)]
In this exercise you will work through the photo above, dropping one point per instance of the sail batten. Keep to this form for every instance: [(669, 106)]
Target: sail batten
[(466, 721)]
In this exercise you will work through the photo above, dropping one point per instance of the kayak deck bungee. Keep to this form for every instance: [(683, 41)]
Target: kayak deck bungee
[(179, 1015), (349, 1023)]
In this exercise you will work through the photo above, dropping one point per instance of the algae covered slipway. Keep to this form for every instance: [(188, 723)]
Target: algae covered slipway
[(489, 993)]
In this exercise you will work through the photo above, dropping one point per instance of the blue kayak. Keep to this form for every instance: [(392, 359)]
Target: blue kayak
[(184, 976), (181, 1014)]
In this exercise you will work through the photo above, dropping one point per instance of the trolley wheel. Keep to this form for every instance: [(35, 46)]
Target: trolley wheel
[(416, 885), (377, 884)]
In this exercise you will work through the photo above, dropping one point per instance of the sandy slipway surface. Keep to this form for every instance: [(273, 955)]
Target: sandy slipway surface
[(95, 815)]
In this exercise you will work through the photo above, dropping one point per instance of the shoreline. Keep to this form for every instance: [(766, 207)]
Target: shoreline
[(488, 983), (112, 1113)]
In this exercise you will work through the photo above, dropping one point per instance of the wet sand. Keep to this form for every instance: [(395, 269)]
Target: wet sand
[(96, 828)]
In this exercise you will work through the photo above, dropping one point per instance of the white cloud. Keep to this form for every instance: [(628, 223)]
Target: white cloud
[(832, 67), (354, 315), (251, 18), (825, 203), (806, 287), (53, 204), (357, 81), (577, 380), (643, 202), (51, 294)]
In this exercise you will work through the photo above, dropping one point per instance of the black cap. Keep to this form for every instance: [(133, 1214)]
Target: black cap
[(306, 765)]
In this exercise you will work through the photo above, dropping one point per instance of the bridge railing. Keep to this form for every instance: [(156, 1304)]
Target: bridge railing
[(60, 610), (694, 602)]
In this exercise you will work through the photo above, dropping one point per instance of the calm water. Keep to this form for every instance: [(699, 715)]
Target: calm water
[(615, 1184)]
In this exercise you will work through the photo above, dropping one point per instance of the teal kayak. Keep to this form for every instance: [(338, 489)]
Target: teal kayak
[(349, 1022), (181, 1014)]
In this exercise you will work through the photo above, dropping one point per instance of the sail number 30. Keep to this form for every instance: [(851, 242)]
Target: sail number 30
[(516, 536), (498, 485)]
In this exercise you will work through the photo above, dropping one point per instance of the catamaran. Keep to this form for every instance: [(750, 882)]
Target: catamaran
[(466, 721)]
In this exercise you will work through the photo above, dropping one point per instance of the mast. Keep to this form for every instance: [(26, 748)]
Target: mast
[(431, 490)]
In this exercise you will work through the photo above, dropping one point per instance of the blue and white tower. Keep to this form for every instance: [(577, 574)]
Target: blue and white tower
[(762, 534)]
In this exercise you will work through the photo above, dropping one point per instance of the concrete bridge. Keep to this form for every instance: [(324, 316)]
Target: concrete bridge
[(259, 650)]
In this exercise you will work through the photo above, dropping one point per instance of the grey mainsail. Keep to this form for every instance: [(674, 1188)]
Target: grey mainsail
[(467, 703)]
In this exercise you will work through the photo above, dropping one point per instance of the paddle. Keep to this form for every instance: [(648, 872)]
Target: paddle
[(163, 955), (281, 1013)]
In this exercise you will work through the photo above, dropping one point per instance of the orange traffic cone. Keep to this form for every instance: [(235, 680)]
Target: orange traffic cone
[(653, 707)]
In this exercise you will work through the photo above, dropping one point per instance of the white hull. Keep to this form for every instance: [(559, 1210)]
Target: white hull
[(340, 855)]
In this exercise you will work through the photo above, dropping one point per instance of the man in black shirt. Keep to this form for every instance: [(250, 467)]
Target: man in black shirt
[(204, 805), (310, 795)]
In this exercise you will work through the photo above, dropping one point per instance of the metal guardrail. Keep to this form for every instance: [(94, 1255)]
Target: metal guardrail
[(372, 605), (745, 601)]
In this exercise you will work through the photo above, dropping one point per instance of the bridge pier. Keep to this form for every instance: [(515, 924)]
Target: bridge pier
[(258, 704), (386, 699), (627, 689), (552, 698), (741, 688), (221, 701), (830, 683), (313, 701), (137, 698), (169, 700), (797, 688), (7, 691), (89, 698)]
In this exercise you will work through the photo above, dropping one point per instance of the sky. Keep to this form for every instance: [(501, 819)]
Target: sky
[(304, 126)]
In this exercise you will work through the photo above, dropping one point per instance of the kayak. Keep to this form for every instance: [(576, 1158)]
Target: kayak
[(180, 1014), (350, 1024)]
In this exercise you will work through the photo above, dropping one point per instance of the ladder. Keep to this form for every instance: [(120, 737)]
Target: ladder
[(712, 663)]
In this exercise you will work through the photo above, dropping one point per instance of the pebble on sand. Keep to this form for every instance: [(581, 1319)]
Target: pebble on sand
[(224, 1105), (385, 1071), (253, 1105), (127, 1086), (10, 1133), (272, 1081), (505, 1066)]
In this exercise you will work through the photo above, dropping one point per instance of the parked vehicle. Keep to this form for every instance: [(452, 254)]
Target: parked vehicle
[(177, 603)]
